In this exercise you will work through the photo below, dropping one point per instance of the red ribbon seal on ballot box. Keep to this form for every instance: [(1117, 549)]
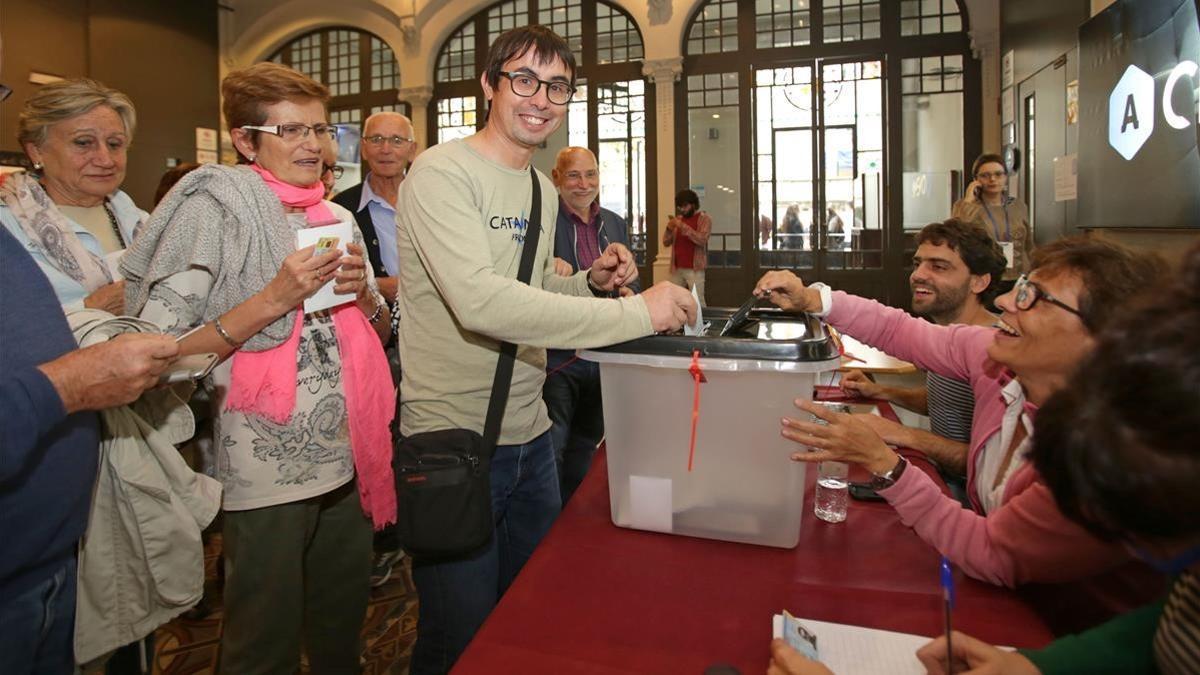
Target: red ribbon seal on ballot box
[(699, 378)]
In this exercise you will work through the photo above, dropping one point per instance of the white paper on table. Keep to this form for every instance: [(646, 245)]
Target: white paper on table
[(863, 651), (650, 503), (113, 260), (698, 327), (325, 298)]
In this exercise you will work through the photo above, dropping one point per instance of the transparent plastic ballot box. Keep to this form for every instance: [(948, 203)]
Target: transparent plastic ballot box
[(741, 486)]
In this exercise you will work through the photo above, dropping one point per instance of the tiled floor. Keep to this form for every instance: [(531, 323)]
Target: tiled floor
[(190, 647)]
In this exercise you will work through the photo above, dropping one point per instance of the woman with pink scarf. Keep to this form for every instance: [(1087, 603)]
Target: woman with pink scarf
[(303, 401)]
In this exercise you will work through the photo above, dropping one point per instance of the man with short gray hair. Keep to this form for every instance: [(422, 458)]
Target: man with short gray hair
[(388, 147), (572, 390)]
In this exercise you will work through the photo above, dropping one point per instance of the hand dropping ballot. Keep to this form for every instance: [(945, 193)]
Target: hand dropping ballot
[(697, 328), (325, 238)]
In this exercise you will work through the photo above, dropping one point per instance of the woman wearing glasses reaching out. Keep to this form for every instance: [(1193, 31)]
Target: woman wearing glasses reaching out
[(1014, 534), (988, 204), (302, 408)]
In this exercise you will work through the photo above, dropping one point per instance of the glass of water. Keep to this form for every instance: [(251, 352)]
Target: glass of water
[(833, 487), (833, 491)]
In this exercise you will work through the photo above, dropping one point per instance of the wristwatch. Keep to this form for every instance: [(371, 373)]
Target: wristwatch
[(880, 481), (596, 290)]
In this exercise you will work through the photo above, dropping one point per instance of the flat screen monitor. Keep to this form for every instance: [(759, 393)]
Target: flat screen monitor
[(1139, 116)]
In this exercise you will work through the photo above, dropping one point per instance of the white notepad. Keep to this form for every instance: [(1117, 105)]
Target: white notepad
[(325, 298), (863, 651)]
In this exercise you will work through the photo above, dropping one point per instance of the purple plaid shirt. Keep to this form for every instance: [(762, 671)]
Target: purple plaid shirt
[(587, 235)]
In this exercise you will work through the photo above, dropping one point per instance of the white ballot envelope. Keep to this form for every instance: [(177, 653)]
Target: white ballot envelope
[(698, 327), (325, 238)]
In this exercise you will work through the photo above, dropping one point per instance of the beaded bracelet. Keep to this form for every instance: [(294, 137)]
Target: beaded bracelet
[(377, 313)]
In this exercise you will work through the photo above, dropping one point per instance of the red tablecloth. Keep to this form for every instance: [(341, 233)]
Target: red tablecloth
[(595, 598)]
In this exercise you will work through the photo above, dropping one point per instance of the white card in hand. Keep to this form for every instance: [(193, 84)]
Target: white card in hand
[(698, 327), (325, 298)]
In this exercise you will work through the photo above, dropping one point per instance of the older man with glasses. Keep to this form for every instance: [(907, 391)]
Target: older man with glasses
[(583, 231), (388, 148)]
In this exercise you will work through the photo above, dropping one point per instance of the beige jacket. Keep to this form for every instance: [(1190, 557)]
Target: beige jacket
[(141, 561)]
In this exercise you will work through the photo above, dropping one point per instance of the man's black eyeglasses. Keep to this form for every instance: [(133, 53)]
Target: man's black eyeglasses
[(334, 169), (527, 86)]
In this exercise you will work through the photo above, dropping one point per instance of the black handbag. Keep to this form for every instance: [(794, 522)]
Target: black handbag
[(443, 478)]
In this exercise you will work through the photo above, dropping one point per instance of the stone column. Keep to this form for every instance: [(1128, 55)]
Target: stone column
[(663, 73), (418, 99), (226, 32), (985, 45)]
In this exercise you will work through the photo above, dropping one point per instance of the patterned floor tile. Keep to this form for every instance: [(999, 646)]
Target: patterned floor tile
[(189, 647)]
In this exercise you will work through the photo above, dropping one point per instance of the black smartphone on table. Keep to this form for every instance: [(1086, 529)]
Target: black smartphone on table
[(864, 492)]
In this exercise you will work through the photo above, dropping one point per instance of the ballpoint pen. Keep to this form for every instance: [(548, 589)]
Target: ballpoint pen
[(948, 602)]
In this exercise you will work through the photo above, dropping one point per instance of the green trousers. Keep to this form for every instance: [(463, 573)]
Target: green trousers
[(296, 575)]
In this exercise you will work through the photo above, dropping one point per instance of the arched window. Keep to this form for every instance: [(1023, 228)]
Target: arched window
[(842, 124), (363, 78), (608, 113)]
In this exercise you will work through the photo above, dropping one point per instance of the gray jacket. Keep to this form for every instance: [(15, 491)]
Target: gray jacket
[(141, 562)]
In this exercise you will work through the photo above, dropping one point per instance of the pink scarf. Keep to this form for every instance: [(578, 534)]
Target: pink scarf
[(264, 383)]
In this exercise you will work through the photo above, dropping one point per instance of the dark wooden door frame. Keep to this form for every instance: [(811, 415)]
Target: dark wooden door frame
[(889, 284)]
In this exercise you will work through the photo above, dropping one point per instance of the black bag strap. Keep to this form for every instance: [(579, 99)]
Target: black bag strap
[(508, 351)]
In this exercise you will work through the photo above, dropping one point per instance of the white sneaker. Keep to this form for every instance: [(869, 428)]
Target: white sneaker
[(381, 571)]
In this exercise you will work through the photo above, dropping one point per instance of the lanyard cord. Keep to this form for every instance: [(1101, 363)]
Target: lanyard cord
[(995, 225)]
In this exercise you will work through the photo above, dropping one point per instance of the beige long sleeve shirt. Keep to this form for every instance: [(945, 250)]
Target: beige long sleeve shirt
[(462, 221)]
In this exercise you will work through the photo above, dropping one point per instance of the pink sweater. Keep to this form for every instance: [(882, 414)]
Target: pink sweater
[(1027, 539)]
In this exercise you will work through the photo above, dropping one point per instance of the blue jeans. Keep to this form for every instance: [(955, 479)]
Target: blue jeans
[(455, 597), (572, 396), (37, 628)]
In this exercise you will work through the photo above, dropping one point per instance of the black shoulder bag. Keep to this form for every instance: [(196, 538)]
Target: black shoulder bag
[(443, 478)]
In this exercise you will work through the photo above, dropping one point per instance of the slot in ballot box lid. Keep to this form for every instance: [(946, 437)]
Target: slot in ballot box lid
[(769, 335)]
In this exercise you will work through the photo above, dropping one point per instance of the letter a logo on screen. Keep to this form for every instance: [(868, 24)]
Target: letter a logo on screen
[(1131, 112)]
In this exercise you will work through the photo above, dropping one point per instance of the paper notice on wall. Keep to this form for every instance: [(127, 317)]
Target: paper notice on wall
[(206, 139), (206, 156), (1006, 69), (650, 503), (1008, 106), (1073, 102), (1065, 178)]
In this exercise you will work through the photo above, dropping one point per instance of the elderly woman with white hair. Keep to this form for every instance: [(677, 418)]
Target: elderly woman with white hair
[(70, 213)]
